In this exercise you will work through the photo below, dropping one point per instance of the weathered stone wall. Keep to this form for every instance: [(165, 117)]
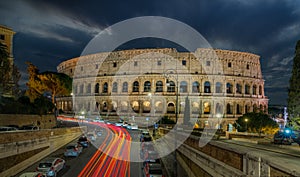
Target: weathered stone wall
[(231, 158), (43, 122), (236, 85), (195, 168), (16, 136)]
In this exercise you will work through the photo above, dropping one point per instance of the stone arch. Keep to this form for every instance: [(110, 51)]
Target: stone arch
[(171, 108), (206, 107), (207, 87)]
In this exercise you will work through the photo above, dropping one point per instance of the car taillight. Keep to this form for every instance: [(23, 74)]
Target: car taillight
[(76, 149)]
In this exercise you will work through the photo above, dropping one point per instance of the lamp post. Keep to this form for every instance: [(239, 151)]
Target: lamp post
[(246, 120), (176, 115)]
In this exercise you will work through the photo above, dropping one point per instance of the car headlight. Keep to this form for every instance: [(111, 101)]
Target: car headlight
[(51, 173)]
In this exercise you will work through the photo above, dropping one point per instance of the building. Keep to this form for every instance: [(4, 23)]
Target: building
[(220, 85), (6, 38)]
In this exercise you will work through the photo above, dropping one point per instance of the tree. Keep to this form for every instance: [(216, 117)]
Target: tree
[(4, 67), (294, 89), (57, 84), (256, 123), (42, 105), (34, 84)]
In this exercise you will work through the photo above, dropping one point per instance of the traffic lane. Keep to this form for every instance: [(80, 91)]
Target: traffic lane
[(73, 164), (115, 160), (136, 165)]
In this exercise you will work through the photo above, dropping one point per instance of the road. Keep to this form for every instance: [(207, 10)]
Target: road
[(109, 155)]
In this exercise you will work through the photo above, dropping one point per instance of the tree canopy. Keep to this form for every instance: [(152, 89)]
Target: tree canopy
[(294, 90), (57, 84), (9, 73), (256, 123), (22, 105), (4, 66)]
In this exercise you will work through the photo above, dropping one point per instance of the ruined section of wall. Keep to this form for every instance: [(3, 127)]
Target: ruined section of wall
[(43, 121)]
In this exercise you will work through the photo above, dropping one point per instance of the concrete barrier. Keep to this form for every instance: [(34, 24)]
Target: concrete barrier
[(53, 142)]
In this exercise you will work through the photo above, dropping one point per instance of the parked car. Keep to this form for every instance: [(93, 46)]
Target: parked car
[(150, 155), (83, 141), (4, 129), (51, 166), (91, 136), (118, 124), (73, 150), (145, 146), (107, 122), (29, 127), (153, 170), (32, 174), (99, 132), (285, 136), (132, 126), (99, 120), (146, 138), (125, 124)]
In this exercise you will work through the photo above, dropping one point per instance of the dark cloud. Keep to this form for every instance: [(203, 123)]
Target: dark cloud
[(51, 31)]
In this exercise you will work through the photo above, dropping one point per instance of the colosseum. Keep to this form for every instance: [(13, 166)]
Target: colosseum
[(216, 86)]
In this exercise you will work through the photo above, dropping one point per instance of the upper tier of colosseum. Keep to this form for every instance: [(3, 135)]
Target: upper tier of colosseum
[(142, 61)]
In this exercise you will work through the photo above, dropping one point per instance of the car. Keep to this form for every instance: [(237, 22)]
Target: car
[(99, 132), (145, 146), (125, 124), (107, 122), (283, 137), (83, 141), (91, 136), (153, 170), (73, 150), (146, 138), (132, 126), (118, 124), (32, 174), (51, 166), (4, 129), (145, 132), (29, 127), (99, 120), (150, 155)]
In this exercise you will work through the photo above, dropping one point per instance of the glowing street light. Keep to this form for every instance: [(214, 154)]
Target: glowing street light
[(246, 120)]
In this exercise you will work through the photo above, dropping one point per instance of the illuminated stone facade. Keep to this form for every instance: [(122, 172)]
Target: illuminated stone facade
[(6, 38), (145, 82)]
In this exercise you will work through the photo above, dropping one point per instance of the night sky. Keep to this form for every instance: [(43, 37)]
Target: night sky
[(48, 32)]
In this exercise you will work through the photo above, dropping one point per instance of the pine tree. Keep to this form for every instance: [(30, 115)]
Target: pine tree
[(58, 84), (294, 89)]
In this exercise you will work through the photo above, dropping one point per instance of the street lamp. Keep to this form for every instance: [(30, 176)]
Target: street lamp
[(246, 120), (176, 114)]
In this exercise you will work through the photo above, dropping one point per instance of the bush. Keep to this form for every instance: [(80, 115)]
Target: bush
[(166, 120)]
